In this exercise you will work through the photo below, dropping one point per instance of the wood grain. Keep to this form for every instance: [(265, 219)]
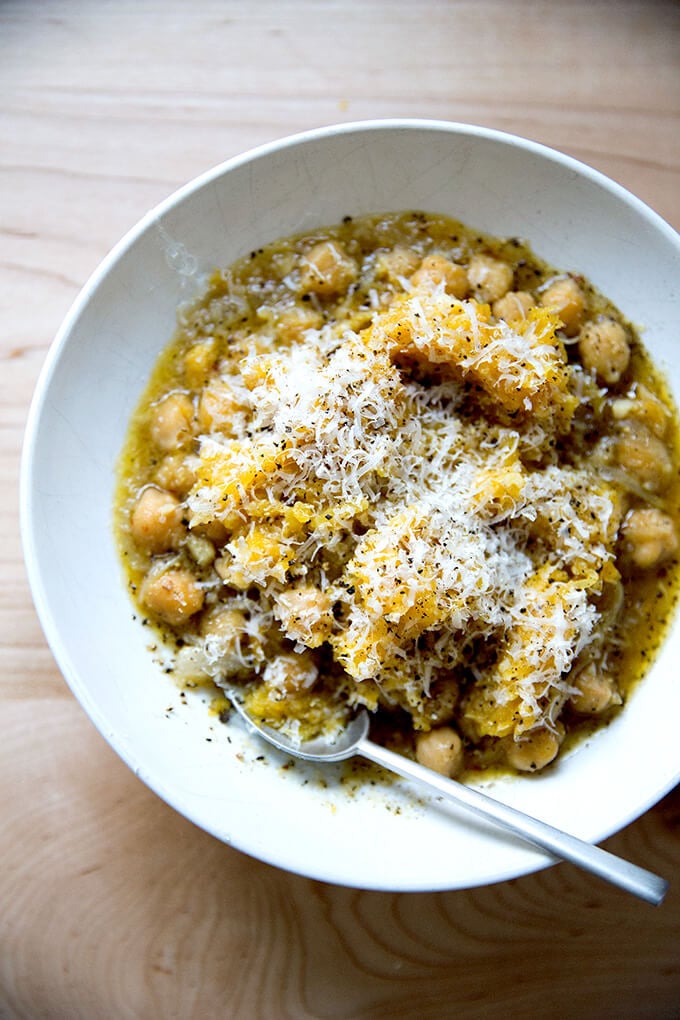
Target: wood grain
[(111, 905)]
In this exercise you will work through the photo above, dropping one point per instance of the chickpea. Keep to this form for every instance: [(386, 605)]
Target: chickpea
[(534, 751), (327, 270), (514, 306), (489, 278), (306, 614), (226, 637), (596, 692), (217, 406), (291, 672), (224, 623), (216, 530), (176, 474), (644, 456), (435, 269), (199, 362), (567, 299), (201, 550), (651, 411), (649, 537), (175, 596), (294, 322), (642, 405), (396, 264), (172, 426), (192, 666), (604, 349), (440, 750), (156, 523)]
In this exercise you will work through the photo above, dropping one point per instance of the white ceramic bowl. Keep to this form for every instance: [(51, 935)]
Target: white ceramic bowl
[(302, 819)]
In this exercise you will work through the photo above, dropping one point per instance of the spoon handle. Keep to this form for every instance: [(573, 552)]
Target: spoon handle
[(630, 877)]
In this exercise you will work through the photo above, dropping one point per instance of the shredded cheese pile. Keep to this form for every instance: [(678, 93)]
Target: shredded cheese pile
[(378, 519)]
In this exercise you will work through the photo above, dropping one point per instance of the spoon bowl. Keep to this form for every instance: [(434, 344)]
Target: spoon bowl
[(354, 740), (345, 744)]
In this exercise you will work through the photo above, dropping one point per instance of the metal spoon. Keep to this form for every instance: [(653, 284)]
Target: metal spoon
[(354, 740)]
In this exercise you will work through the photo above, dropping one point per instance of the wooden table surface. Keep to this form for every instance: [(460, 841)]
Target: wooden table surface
[(111, 905)]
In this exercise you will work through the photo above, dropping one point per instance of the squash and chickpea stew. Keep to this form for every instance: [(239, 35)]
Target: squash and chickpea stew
[(399, 464)]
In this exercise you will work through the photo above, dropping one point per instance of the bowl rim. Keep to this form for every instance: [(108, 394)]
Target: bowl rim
[(33, 565)]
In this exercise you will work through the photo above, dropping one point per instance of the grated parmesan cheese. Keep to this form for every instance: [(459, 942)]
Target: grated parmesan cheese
[(343, 427)]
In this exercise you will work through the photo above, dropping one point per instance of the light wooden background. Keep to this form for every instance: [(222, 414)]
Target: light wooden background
[(112, 906)]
